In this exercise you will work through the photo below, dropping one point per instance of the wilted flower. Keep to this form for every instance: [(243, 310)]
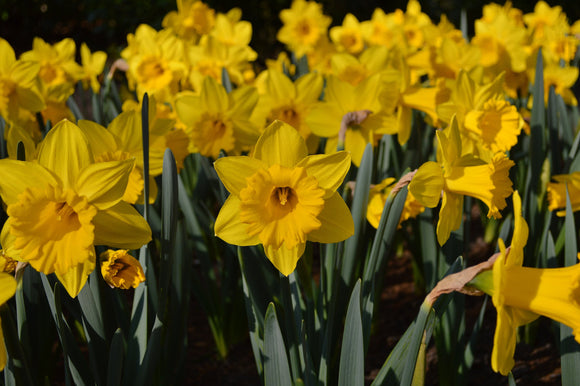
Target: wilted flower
[(281, 197), (121, 270)]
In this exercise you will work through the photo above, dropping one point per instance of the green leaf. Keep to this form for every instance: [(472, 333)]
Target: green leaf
[(116, 357), (351, 370), (226, 81), (152, 356), (169, 217), (276, 367), (145, 137), (569, 348), (354, 246)]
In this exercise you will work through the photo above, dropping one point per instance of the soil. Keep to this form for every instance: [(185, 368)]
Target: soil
[(537, 364)]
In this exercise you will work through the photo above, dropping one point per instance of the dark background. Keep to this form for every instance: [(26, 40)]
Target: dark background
[(104, 24)]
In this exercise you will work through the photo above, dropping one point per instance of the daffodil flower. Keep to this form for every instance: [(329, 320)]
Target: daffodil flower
[(557, 192), (378, 197), (521, 294), (456, 176), (281, 197), (64, 204), (120, 269)]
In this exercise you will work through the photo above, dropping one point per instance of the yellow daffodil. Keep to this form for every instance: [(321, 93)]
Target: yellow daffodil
[(63, 204), (93, 65), (557, 192), (121, 270), (304, 25), (544, 18), (156, 60), (192, 19), (354, 70), (456, 176), (231, 30), (217, 120), (58, 75), (289, 102), (210, 57), (486, 121), (384, 29), (401, 94), (348, 37), (7, 290), (281, 197), (522, 294), (503, 41), (378, 196), (19, 97), (562, 79), (341, 98), (8, 254)]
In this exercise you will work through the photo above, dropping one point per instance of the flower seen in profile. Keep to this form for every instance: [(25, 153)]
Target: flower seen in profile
[(522, 294), (455, 176), (281, 197), (557, 192)]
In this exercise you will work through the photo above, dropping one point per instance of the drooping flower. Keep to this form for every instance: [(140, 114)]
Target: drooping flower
[(281, 197), (62, 205), (455, 176), (378, 196), (216, 120), (7, 290), (557, 192), (522, 294), (121, 270), (304, 25)]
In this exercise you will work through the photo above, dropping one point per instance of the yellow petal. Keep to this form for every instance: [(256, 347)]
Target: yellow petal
[(7, 287), (309, 87), (337, 223), (233, 171), (404, 120), (280, 144), (126, 127), (75, 278), (213, 96), (324, 119), (450, 142), (504, 343), (101, 139), (279, 86), (104, 183), (355, 143), (65, 151), (228, 226), (450, 216), (427, 184), (121, 226), (188, 108), (329, 170), (17, 176), (3, 355), (285, 259)]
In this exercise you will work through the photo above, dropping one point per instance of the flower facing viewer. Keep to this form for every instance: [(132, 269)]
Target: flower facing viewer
[(121, 270), (281, 197)]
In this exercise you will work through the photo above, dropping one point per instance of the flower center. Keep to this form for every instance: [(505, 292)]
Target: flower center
[(281, 205), (213, 133), (52, 228)]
